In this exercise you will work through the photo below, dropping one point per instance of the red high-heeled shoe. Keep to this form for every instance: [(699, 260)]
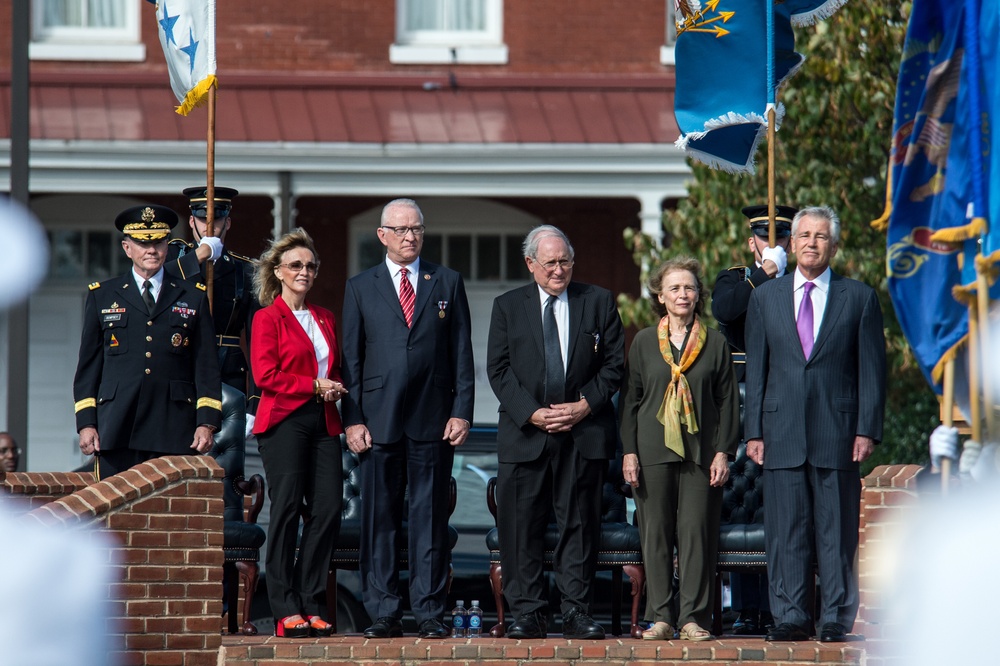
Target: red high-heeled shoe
[(318, 626), (292, 626)]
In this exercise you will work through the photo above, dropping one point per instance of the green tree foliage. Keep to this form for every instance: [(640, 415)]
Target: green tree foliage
[(832, 149)]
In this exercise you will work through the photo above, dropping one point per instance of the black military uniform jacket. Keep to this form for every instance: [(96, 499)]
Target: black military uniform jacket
[(730, 299), (233, 307), (146, 381)]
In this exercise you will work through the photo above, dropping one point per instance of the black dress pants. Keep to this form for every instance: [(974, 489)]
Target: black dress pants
[(305, 481)]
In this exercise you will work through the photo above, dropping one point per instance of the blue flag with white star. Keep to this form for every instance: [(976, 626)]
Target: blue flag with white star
[(726, 77), (187, 35)]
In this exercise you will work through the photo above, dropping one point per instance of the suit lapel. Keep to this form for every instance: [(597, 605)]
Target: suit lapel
[(835, 300), (533, 316), (425, 286), (786, 311), (130, 293), (387, 290), (576, 304)]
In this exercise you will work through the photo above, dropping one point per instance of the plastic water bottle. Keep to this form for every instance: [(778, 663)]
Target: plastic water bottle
[(459, 620), (475, 620)]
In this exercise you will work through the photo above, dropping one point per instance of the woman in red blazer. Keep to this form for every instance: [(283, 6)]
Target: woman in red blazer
[(296, 365)]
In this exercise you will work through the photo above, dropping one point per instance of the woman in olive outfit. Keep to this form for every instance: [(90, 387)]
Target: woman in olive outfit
[(679, 426)]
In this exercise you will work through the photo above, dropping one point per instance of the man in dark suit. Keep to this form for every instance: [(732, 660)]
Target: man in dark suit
[(234, 302), (730, 298), (408, 369), (555, 358), (147, 382), (815, 397)]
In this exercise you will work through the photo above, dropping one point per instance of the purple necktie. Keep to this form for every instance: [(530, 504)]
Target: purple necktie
[(805, 320)]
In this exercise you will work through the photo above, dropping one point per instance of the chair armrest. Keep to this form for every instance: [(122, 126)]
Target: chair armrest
[(491, 497), (254, 486)]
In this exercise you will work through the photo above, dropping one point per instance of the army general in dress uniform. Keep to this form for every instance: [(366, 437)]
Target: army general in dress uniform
[(234, 302), (147, 382)]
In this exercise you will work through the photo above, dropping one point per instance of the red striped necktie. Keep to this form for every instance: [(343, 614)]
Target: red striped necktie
[(406, 296)]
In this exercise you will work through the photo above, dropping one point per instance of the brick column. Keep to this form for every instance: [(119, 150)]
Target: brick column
[(166, 516)]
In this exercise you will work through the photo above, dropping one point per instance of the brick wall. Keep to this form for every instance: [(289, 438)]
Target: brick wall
[(889, 500), (165, 517)]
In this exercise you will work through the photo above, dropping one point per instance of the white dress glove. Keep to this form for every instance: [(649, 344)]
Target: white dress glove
[(777, 255), (985, 468), (214, 244), (943, 444), (970, 455), (249, 431)]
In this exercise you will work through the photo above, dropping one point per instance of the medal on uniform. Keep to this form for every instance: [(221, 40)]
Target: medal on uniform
[(442, 305), (175, 339), (187, 341)]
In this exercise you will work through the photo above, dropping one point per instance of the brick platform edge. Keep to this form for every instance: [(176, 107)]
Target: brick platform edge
[(889, 499), (166, 518)]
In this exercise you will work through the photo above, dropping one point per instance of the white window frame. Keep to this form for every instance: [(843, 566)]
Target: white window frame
[(88, 44), (669, 36), (441, 47)]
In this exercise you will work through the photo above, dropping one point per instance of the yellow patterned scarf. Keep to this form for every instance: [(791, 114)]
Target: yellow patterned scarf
[(678, 399)]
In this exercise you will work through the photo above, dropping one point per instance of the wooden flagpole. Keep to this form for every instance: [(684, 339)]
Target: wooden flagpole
[(947, 417), (210, 193)]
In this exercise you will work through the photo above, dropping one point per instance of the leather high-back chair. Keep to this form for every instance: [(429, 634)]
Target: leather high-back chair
[(346, 553), (242, 536), (619, 550)]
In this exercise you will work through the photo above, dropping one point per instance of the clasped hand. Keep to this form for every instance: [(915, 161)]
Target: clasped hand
[(331, 390), (561, 417)]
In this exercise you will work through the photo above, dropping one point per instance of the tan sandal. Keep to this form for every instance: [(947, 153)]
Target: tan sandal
[(660, 631), (692, 632)]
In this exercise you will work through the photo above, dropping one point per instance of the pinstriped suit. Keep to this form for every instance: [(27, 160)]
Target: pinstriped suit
[(564, 471), (808, 412)]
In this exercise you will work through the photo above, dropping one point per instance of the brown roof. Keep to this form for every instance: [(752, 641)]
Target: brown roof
[(358, 109)]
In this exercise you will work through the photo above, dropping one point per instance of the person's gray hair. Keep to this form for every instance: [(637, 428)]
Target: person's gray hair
[(822, 212), (530, 245), (403, 203)]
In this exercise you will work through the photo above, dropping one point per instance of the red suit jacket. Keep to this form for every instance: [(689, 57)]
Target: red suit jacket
[(284, 364)]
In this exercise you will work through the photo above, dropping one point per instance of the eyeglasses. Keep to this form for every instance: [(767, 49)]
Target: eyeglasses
[(297, 266), (551, 266), (9, 451), (401, 232)]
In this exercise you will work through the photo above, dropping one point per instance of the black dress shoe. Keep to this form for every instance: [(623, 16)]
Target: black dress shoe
[(385, 627), (433, 628), (786, 631), (746, 623), (766, 623), (529, 625), (577, 624), (833, 633)]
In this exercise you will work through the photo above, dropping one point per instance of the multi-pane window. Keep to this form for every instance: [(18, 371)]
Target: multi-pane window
[(87, 29), (478, 257), (458, 31)]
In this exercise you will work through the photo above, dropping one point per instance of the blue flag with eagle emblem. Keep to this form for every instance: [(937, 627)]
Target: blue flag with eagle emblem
[(722, 90), (187, 35), (932, 240)]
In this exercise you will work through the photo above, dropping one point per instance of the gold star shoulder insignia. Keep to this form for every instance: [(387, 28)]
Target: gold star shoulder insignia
[(199, 285), (94, 285)]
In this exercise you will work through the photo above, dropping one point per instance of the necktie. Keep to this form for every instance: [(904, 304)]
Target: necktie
[(804, 324), (406, 296), (555, 375), (147, 296)]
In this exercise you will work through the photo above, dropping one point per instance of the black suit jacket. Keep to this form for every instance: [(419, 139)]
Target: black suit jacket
[(407, 380), (146, 381), (812, 410), (594, 369)]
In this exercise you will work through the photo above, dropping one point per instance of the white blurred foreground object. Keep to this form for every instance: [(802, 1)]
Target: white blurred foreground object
[(59, 574), (26, 260)]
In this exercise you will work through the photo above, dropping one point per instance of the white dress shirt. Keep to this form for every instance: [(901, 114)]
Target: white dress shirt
[(413, 271)]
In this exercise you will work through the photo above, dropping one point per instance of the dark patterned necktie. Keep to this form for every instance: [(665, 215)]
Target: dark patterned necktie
[(406, 296), (805, 320), (555, 374), (147, 296)]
